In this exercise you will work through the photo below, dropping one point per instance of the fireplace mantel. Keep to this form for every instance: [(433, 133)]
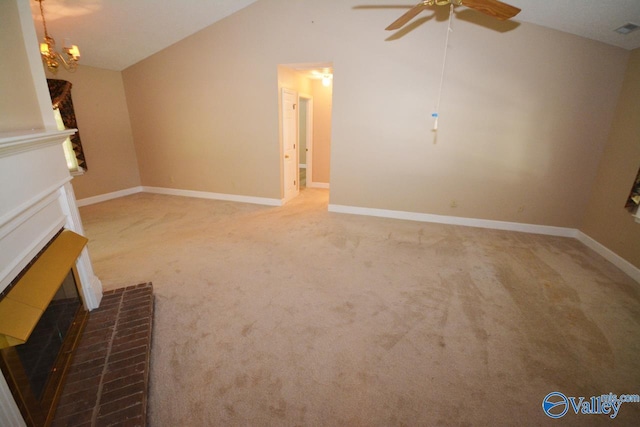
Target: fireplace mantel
[(37, 201), (20, 141), (37, 197)]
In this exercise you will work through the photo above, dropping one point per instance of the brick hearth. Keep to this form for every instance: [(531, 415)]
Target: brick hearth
[(108, 380)]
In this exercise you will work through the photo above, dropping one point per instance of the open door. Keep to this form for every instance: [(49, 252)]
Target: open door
[(290, 143)]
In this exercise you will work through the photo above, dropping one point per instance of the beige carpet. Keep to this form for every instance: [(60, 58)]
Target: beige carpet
[(296, 316)]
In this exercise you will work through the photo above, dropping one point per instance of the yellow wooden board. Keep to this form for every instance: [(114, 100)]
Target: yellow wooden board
[(22, 307)]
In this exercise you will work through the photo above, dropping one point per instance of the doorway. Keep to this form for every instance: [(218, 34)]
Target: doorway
[(310, 138)]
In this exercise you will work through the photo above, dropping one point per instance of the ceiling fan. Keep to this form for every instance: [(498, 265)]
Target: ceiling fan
[(493, 8)]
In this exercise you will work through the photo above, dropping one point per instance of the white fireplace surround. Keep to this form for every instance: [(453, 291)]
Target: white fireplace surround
[(38, 201), (36, 197)]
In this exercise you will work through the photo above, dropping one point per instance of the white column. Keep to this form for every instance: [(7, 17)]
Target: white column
[(91, 285)]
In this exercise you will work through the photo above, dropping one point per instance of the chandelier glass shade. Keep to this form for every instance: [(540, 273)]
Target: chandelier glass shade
[(53, 59)]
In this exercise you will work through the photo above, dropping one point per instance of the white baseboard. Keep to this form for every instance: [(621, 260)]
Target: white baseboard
[(175, 192), (108, 196), (618, 261), (214, 196), (318, 185), (454, 220), (624, 265), (609, 255)]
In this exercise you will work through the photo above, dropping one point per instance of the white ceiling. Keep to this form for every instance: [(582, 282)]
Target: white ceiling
[(593, 19), (115, 34)]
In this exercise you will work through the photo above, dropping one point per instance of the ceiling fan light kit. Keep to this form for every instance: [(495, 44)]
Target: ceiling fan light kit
[(493, 8)]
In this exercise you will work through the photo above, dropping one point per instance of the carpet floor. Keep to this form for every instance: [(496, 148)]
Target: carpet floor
[(297, 316)]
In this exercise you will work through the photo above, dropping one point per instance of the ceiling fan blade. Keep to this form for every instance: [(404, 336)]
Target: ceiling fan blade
[(494, 8), (408, 16)]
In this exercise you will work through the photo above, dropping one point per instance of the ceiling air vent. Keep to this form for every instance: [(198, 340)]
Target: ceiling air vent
[(627, 28)]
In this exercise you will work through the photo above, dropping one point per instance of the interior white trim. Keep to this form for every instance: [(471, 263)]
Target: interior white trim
[(308, 143), (10, 414), (91, 285), (612, 257), (27, 228), (615, 259), (16, 218), (21, 259), (624, 265), (454, 220), (176, 192), (109, 196), (20, 214), (214, 196), (19, 142)]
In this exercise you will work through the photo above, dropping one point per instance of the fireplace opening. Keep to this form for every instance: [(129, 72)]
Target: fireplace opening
[(41, 320), (38, 355)]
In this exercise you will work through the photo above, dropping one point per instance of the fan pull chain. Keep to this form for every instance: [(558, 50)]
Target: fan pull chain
[(444, 63)]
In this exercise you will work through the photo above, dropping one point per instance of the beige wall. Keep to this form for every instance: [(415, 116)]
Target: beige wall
[(291, 79), (105, 130), (19, 108), (25, 174), (204, 113), (322, 105), (524, 114), (524, 117), (606, 220)]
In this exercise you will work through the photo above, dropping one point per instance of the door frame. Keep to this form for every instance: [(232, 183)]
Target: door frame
[(308, 137)]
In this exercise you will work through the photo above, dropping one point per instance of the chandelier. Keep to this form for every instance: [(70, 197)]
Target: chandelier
[(53, 59)]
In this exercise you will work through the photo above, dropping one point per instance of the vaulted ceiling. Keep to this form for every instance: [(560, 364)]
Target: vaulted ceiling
[(114, 34)]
